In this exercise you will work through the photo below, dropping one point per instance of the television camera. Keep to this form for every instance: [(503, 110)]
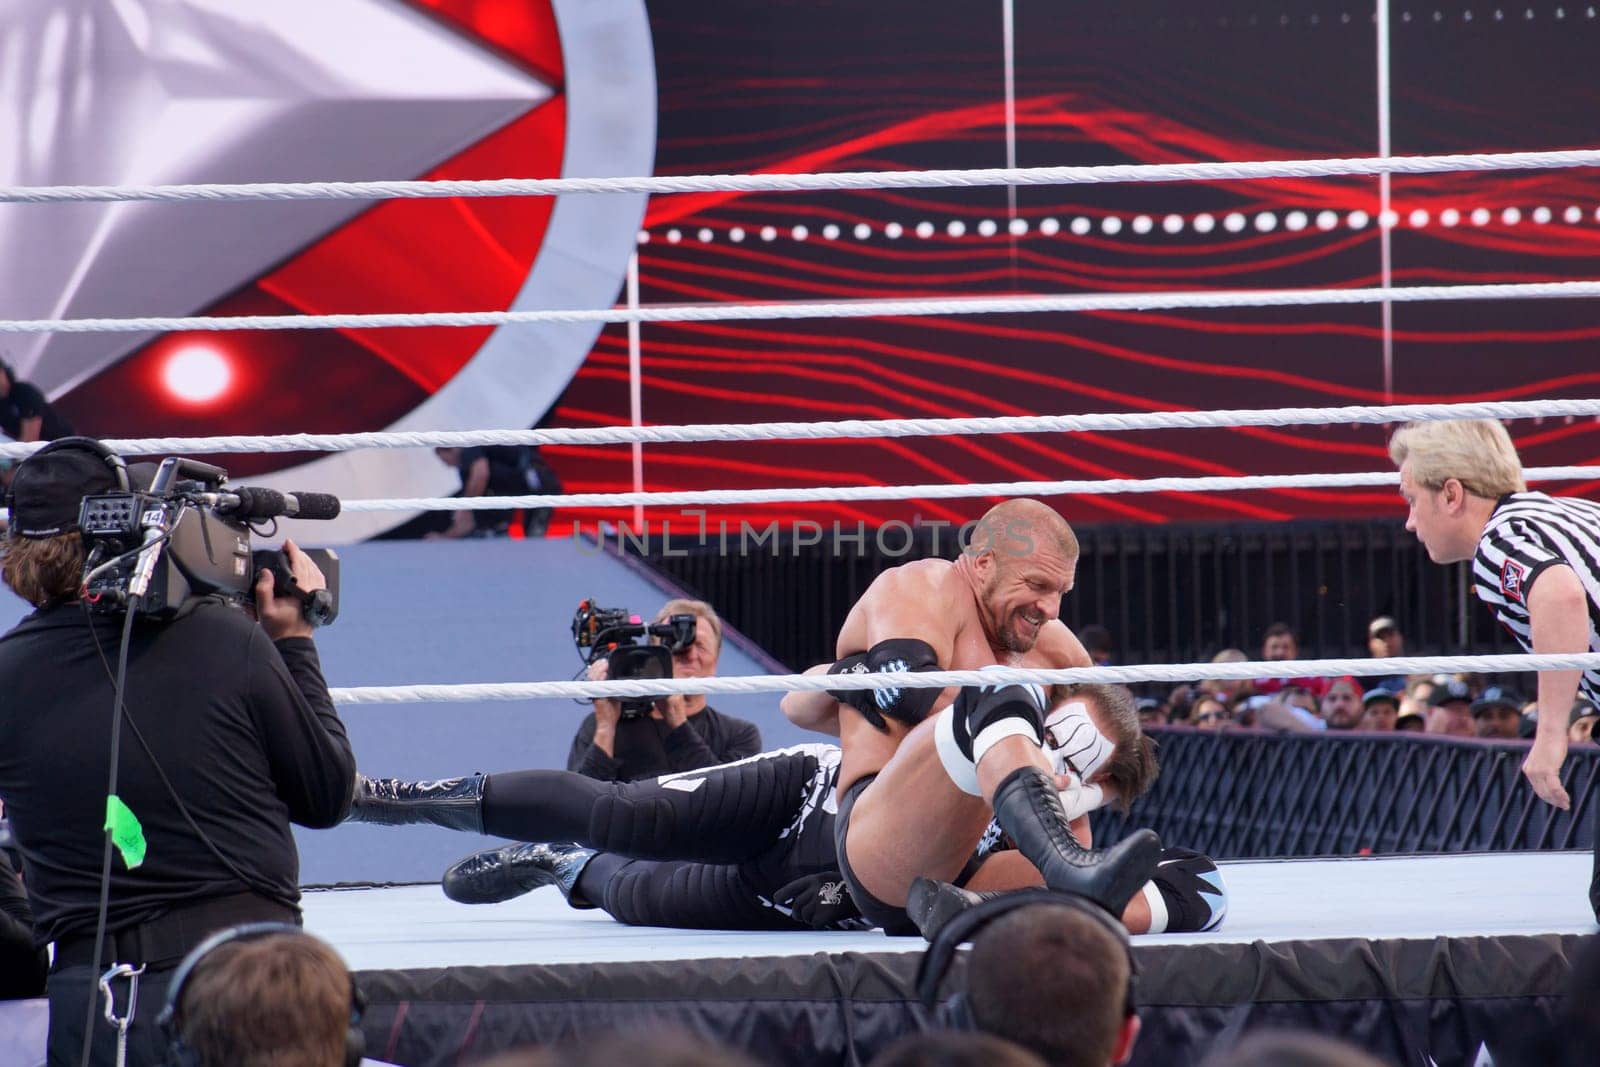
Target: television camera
[(188, 535), (622, 640)]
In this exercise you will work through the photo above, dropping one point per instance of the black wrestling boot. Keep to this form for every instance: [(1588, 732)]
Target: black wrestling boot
[(932, 903), (497, 874), (454, 803), (1028, 808)]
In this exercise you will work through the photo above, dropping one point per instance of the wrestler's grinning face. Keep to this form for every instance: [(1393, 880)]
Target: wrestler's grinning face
[(1023, 593)]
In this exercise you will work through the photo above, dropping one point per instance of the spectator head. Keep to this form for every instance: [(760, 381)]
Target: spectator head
[(1180, 702), (1580, 723), (1444, 468), (699, 660), (1379, 710), (1450, 710), (1299, 696), (1269, 1048), (1279, 643), (263, 995), (1151, 712), (1097, 642), (1497, 713), (1209, 713), (1029, 962), (955, 1048), (1384, 639), (1227, 688), (41, 558), (1414, 704), (1341, 704)]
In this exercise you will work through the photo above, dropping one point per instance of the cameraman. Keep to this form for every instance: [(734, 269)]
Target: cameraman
[(228, 736), (682, 733)]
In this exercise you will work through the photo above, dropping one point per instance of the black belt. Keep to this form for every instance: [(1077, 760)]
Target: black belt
[(168, 938)]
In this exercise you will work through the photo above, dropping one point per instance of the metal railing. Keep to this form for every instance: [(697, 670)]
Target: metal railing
[(1245, 793)]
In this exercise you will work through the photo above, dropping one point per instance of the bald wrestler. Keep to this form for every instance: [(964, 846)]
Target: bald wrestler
[(923, 769)]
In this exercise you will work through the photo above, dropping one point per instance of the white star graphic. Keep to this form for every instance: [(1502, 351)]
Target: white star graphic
[(169, 91)]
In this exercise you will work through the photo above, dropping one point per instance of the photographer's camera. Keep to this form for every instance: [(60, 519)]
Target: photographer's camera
[(623, 641)]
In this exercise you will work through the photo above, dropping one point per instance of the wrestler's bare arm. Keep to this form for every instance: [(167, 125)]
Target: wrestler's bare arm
[(910, 601), (817, 710), (1058, 647)]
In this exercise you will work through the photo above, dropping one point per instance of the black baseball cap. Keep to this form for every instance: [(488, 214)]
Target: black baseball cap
[(1450, 692), (1380, 696), (1497, 696), (48, 488)]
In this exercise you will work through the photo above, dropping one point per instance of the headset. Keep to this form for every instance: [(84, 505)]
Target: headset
[(179, 1054), (119, 468), (966, 926)]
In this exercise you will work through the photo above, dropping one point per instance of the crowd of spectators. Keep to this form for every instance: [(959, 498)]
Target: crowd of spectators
[(1456, 705)]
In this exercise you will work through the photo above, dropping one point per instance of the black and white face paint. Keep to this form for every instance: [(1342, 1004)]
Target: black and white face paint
[(1077, 748)]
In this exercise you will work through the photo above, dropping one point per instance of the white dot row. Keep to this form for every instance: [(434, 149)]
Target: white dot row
[(1500, 14), (1110, 225)]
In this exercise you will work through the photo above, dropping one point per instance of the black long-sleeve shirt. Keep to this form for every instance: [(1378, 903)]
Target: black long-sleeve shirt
[(645, 747), (244, 730)]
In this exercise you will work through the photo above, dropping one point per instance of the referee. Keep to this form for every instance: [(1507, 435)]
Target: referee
[(1535, 562)]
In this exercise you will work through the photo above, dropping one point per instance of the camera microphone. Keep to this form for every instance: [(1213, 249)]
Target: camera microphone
[(249, 503)]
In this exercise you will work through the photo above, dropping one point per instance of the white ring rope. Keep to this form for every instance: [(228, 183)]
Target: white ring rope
[(784, 683), (837, 493), (715, 183), (921, 307), (850, 428)]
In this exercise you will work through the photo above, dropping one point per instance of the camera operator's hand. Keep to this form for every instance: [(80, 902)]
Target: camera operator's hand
[(281, 616), (607, 713), (673, 710)]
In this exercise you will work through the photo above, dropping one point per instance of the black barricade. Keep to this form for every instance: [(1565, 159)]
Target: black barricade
[(1175, 593), (1237, 794)]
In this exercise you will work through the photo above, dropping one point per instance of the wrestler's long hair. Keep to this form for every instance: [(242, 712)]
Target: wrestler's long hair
[(1132, 766), (43, 569)]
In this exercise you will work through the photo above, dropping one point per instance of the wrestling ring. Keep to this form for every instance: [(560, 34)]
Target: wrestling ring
[(1426, 938)]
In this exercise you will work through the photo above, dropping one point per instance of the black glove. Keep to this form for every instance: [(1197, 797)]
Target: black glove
[(820, 901)]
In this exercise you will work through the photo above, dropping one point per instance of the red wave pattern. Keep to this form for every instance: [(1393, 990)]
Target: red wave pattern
[(1095, 86)]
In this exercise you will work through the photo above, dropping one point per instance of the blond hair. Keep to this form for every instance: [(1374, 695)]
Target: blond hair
[(685, 606), (1478, 453)]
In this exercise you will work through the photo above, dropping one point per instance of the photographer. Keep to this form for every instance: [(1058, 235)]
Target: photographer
[(682, 733), (228, 735)]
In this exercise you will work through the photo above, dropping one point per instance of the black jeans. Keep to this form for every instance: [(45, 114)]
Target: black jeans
[(69, 990)]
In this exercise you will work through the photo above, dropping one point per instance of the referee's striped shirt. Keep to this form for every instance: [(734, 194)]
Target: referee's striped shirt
[(1527, 533)]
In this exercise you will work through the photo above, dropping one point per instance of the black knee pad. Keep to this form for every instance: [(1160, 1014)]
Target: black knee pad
[(642, 827)]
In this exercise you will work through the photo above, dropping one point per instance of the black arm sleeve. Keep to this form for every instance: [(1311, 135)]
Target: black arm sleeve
[(589, 761), (744, 739), (687, 750), (22, 967), (728, 739), (312, 764)]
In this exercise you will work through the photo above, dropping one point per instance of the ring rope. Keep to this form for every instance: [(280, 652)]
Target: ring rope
[(838, 493), (847, 428), (714, 183), (785, 683), (841, 309)]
